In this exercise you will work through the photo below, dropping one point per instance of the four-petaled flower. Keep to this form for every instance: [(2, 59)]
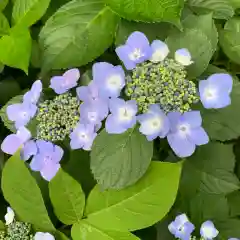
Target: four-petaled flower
[(154, 123), (186, 132), (136, 50), (47, 159), (43, 236), (61, 84), (215, 91), (83, 136), (34, 94), (9, 216), (208, 230), (181, 227), (122, 117)]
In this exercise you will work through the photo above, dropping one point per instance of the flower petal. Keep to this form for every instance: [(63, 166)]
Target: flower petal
[(222, 80), (11, 144), (160, 51), (113, 126), (50, 170), (29, 149), (9, 217), (208, 230), (199, 136), (183, 57), (44, 146), (13, 111), (37, 162), (137, 40), (72, 74), (193, 118), (24, 134)]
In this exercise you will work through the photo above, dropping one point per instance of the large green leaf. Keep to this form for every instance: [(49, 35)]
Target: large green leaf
[(138, 206), (27, 12), (233, 201), (4, 25), (228, 228), (120, 160), (230, 39), (77, 33), (221, 8), (67, 198), (86, 231), (23, 194), (210, 170), (148, 11), (15, 49), (3, 4)]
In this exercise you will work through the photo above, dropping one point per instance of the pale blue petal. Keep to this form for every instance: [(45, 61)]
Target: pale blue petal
[(58, 154), (115, 104), (160, 51), (24, 134), (199, 136), (193, 118), (13, 111), (37, 162), (113, 126), (183, 57), (174, 119), (44, 146), (11, 144), (222, 81), (50, 170), (137, 40), (29, 149)]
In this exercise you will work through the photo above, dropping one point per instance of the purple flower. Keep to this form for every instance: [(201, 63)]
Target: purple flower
[(186, 132), (14, 141), (93, 112), (233, 239), (34, 94), (83, 136), (47, 159), (109, 79), (122, 117), (154, 123), (136, 50), (160, 51), (181, 227), (43, 236), (208, 230), (61, 84), (29, 149), (183, 57), (21, 113), (215, 91)]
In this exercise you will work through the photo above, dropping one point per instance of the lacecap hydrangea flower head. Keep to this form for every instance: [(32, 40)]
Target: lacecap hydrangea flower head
[(152, 93)]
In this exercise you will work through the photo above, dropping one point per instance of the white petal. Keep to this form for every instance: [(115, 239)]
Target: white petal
[(24, 134), (43, 236), (183, 57), (9, 217), (160, 51)]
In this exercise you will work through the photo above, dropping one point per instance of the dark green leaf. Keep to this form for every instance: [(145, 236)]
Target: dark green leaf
[(229, 228), (4, 25), (3, 4), (234, 203)]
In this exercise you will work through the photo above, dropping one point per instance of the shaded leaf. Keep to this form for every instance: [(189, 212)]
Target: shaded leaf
[(3, 4), (4, 25)]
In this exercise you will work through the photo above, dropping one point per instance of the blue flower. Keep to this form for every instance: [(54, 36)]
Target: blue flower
[(14, 141), (154, 123), (122, 117), (62, 84), (215, 91), (34, 94), (208, 230), (43, 236), (21, 113), (181, 227), (186, 132), (136, 50), (160, 51), (183, 57), (233, 239), (29, 149), (109, 79), (83, 136), (47, 159)]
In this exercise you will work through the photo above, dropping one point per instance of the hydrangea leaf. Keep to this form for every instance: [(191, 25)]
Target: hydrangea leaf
[(86, 231), (27, 12), (138, 206), (230, 39), (16, 49), (233, 201), (204, 33), (4, 25), (77, 33), (3, 4), (9, 124), (120, 160), (210, 170), (148, 11), (67, 198), (228, 228), (61, 236), (23, 194), (221, 8)]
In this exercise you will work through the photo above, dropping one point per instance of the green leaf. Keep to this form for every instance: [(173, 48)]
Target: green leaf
[(148, 11), (16, 49), (2, 225), (27, 12), (9, 124), (233, 201), (67, 198), (23, 194), (228, 228), (61, 236), (203, 31), (4, 25), (3, 4), (210, 170), (120, 160), (77, 33), (138, 206), (86, 231), (221, 8), (230, 39)]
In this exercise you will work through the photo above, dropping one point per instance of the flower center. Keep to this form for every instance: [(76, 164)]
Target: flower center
[(125, 114), (83, 136), (210, 93), (92, 116), (136, 54), (114, 82), (184, 129)]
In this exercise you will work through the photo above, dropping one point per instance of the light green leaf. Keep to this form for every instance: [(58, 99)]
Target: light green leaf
[(16, 49), (27, 12), (77, 33), (210, 170), (3, 4), (67, 198), (61, 236), (4, 25), (235, 3), (230, 39), (138, 206), (120, 160), (148, 11), (221, 8), (86, 231), (3, 114), (2, 225), (23, 194)]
